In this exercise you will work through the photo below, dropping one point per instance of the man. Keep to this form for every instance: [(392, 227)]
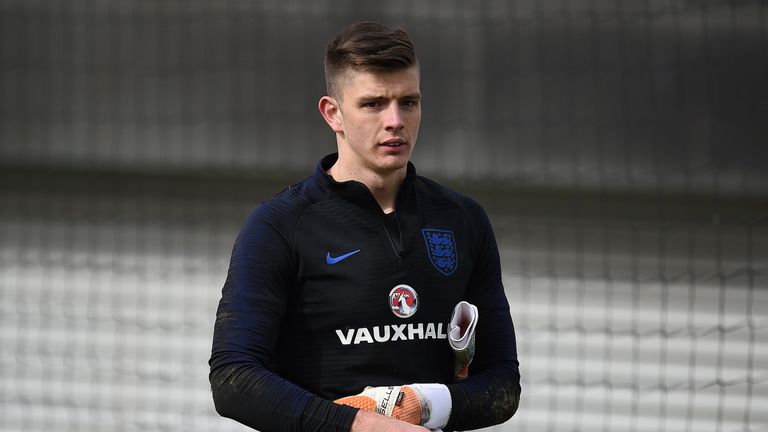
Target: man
[(348, 279)]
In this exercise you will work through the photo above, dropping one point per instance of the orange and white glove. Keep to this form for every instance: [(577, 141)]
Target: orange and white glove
[(428, 405), (461, 337)]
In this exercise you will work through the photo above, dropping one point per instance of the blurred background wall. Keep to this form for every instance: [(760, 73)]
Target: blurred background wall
[(619, 147)]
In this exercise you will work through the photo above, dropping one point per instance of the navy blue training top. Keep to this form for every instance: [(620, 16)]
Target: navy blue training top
[(326, 294)]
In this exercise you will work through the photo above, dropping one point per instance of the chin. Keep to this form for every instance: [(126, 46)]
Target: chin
[(393, 164)]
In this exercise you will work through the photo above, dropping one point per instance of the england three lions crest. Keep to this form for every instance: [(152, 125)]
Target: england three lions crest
[(441, 247)]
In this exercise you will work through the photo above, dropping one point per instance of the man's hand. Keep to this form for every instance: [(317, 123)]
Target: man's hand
[(367, 421), (405, 403), (423, 404)]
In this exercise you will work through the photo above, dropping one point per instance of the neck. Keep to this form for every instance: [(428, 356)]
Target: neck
[(383, 186)]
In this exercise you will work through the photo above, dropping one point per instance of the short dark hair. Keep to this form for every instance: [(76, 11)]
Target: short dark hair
[(367, 46)]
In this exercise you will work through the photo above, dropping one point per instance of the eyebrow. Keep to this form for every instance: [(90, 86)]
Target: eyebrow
[(412, 96), (416, 96)]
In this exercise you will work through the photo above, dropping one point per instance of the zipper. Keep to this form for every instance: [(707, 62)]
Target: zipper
[(398, 251), (375, 207)]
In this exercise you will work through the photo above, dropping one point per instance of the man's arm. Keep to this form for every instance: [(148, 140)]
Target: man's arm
[(491, 393), (248, 321)]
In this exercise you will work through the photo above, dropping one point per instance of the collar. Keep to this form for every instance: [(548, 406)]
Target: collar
[(355, 190)]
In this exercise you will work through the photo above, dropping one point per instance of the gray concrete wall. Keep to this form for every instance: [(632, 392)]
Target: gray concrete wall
[(620, 95)]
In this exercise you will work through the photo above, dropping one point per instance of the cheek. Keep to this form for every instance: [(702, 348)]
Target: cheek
[(414, 120), (363, 128), (358, 135), (352, 128)]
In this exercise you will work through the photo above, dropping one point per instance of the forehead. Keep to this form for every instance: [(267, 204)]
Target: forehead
[(394, 84)]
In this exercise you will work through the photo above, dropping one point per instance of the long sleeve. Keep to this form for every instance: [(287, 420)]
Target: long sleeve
[(253, 305), (491, 393)]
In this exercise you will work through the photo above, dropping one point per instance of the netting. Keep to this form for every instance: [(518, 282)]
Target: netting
[(617, 145)]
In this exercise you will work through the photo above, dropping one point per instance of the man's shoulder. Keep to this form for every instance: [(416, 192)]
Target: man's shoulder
[(440, 192), (285, 207)]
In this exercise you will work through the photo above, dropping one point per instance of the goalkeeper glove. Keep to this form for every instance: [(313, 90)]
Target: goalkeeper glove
[(461, 337), (428, 405)]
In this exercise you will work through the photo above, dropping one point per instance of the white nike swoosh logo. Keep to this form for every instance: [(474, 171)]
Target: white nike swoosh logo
[(333, 260)]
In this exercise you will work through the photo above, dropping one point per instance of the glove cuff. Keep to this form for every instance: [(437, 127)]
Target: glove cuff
[(462, 326), (437, 397)]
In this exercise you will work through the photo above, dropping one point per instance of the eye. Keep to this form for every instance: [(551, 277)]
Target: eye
[(410, 103), (370, 104)]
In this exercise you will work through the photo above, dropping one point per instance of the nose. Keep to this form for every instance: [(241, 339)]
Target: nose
[(393, 117)]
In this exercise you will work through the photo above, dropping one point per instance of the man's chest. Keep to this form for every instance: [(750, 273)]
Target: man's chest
[(355, 269)]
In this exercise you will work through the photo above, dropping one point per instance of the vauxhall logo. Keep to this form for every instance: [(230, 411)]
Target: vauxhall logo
[(391, 333), (403, 301)]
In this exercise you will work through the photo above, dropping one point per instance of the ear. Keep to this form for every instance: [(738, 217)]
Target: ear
[(331, 112)]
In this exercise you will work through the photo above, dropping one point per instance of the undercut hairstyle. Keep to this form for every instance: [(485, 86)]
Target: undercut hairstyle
[(367, 47)]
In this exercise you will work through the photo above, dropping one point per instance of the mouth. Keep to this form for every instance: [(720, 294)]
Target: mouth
[(394, 142)]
